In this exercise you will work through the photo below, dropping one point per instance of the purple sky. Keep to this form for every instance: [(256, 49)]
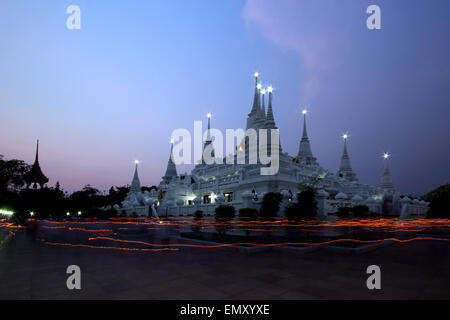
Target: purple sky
[(99, 97)]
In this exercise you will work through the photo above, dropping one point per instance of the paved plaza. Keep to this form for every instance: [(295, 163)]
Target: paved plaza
[(31, 269)]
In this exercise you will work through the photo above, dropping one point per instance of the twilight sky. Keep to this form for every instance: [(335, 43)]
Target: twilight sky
[(99, 97)]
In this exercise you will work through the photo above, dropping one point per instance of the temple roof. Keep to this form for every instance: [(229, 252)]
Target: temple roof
[(35, 175)]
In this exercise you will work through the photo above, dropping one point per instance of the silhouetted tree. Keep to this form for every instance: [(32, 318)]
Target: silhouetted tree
[(12, 173)]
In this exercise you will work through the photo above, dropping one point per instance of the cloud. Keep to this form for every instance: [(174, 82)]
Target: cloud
[(319, 32)]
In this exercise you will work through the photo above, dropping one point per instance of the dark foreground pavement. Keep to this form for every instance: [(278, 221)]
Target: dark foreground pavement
[(33, 270)]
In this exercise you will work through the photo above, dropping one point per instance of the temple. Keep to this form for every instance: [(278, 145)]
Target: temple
[(35, 176), (242, 185)]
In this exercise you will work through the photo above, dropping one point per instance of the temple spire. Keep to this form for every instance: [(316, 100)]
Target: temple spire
[(135, 183), (345, 169), (37, 152), (305, 156), (171, 171), (386, 179), (208, 141)]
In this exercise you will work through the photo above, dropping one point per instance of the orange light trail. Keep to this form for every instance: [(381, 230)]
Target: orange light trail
[(267, 244), (105, 247)]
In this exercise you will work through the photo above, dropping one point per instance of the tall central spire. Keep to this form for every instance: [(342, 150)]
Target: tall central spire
[(256, 98), (345, 169), (305, 155), (135, 183), (255, 119)]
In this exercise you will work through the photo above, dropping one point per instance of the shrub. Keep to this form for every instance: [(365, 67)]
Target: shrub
[(344, 212), (360, 211), (270, 204), (224, 211), (292, 211), (440, 202), (305, 206), (198, 214), (248, 213)]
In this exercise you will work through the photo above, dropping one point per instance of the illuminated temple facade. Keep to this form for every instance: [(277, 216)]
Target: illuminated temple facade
[(243, 186)]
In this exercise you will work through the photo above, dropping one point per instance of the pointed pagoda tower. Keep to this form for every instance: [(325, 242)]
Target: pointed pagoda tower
[(135, 183), (305, 156), (345, 169), (208, 146), (386, 179), (254, 117), (35, 175), (171, 171)]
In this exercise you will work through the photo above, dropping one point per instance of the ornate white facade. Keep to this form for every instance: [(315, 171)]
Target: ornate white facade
[(243, 186)]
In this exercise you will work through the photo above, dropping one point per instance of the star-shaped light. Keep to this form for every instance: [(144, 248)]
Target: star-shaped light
[(345, 136), (386, 155)]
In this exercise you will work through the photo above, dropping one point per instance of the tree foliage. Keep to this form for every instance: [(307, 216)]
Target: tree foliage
[(270, 204), (440, 202)]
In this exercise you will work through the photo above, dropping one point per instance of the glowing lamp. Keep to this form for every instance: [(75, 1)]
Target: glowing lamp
[(386, 155), (270, 89), (259, 86), (6, 212), (345, 136), (136, 161), (209, 115), (68, 214), (171, 141), (31, 213), (305, 111), (263, 91), (79, 213), (256, 74)]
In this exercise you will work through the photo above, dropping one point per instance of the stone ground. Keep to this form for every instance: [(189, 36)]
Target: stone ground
[(30, 269)]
